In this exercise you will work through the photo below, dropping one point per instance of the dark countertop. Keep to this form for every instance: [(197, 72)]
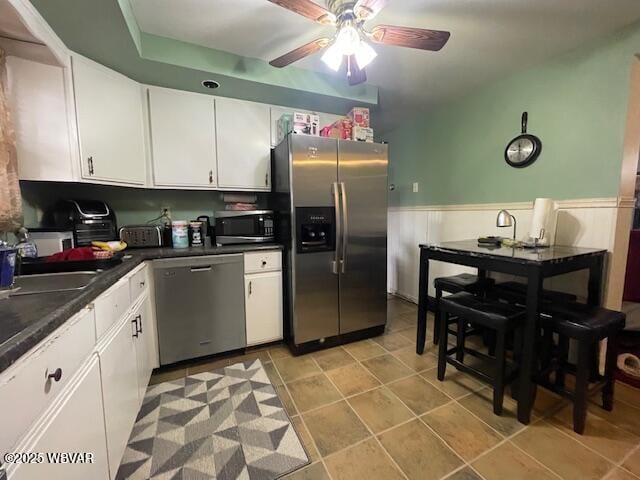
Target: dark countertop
[(557, 253), (26, 320)]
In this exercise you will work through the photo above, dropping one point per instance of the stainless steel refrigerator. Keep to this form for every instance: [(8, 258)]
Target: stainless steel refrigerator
[(331, 204)]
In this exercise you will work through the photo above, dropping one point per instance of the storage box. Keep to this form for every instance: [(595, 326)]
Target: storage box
[(284, 126), (360, 117), (341, 129), (362, 134), (306, 123)]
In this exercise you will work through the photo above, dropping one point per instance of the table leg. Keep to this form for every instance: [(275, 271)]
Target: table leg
[(594, 298), (526, 385), (423, 299), (595, 281)]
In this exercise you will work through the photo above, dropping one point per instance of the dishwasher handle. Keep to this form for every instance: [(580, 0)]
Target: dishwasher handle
[(202, 269)]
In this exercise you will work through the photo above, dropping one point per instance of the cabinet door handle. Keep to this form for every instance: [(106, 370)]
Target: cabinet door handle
[(264, 263), (90, 164), (266, 179), (56, 375), (210, 176), (142, 283), (135, 321), (250, 287), (139, 317)]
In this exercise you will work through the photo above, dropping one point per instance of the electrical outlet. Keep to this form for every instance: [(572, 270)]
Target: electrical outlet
[(165, 211), (416, 187)]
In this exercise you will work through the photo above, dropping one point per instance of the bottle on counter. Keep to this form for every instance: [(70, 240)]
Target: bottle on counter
[(26, 247)]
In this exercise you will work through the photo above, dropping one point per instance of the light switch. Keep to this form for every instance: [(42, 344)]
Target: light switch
[(416, 187)]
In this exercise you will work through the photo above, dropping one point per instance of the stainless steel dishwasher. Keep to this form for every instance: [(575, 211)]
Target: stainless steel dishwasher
[(200, 306)]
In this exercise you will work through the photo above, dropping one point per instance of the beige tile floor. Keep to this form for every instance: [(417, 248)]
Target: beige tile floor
[(375, 410)]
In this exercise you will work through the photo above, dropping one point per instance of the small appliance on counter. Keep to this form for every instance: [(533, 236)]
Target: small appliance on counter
[(88, 220), (209, 229), (49, 240), (142, 236), (236, 227)]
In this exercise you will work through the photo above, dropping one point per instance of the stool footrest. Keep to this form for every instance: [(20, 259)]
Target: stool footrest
[(476, 372), (570, 394)]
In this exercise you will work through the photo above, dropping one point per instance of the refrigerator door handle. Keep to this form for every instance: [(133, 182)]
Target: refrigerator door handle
[(345, 228), (335, 189)]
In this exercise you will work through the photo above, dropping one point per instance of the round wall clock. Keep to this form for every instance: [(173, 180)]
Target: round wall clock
[(523, 150)]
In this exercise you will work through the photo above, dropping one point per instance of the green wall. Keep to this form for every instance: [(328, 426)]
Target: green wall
[(577, 105), (132, 205)]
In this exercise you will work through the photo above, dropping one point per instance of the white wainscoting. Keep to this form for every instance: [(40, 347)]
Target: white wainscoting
[(584, 223)]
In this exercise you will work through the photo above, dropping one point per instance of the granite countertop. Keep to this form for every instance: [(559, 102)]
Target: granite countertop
[(26, 320)]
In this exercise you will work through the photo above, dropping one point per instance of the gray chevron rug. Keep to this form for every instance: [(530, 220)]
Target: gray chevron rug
[(225, 424)]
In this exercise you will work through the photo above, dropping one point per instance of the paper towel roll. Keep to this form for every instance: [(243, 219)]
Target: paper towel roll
[(543, 221)]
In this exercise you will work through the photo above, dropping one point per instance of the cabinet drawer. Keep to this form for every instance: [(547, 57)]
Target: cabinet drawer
[(111, 305), (25, 389), (256, 262), (138, 282)]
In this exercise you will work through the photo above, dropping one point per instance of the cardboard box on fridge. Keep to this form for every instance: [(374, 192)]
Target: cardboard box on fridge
[(362, 134), (306, 123), (341, 129), (360, 117), (284, 126)]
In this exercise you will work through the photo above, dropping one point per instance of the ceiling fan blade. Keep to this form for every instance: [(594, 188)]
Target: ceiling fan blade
[(355, 75), (308, 9), (300, 52), (367, 9), (410, 37)]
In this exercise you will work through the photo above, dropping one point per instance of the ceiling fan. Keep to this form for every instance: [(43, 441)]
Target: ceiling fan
[(352, 39)]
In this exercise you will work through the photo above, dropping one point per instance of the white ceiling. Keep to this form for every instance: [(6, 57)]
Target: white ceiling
[(489, 38)]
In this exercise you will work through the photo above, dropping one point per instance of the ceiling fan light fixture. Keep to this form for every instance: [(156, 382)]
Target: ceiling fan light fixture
[(332, 57), (348, 39), (365, 54)]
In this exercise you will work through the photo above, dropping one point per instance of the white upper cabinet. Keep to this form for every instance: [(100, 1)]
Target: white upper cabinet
[(244, 145), (37, 95), (183, 139), (110, 124)]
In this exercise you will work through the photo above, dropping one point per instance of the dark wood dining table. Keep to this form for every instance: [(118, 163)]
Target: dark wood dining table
[(532, 264)]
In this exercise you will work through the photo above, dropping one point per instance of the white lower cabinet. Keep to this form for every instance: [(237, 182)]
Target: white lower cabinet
[(144, 344), (263, 307), (120, 389), (75, 424)]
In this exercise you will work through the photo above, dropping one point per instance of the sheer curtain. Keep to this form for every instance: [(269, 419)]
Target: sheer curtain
[(10, 199)]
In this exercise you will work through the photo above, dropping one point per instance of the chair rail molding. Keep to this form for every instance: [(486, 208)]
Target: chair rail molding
[(610, 202)]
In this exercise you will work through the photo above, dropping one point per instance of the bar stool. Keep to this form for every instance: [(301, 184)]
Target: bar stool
[(464, 282), (502, 318), (587, 326)]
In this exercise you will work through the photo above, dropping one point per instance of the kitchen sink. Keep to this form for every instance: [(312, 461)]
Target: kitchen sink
[(53, 282)]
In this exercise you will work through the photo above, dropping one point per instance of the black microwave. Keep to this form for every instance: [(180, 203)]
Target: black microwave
[(254, 226)]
